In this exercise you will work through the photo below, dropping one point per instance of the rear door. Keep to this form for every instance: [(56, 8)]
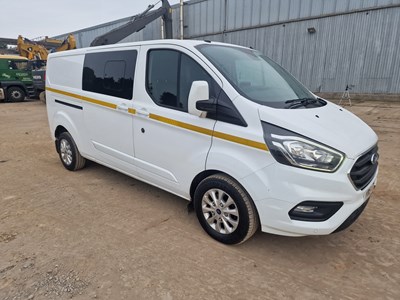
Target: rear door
[(171, 145)]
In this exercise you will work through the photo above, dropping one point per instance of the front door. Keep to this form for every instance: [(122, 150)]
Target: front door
[(171, 145)]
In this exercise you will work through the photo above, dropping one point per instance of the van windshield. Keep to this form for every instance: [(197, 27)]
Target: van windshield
[(258, 78)]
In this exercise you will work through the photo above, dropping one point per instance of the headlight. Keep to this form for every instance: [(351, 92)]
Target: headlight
[(290, 148)]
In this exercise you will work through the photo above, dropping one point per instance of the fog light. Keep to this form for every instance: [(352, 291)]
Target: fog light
[(314, 211), (305, 209)]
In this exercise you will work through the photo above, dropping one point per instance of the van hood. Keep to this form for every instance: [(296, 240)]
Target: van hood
[(331, 125)]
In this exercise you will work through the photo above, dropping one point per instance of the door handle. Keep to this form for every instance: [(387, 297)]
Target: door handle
[(122, 107), (142, 112)]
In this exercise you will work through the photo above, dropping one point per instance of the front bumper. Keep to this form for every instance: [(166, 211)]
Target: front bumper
[(352, 218), (277, 188)]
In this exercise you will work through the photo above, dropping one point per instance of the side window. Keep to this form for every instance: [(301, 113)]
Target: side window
[(12, 65), (110, 73), (162, 77), (18, 65), (170, 75), (114, 74)]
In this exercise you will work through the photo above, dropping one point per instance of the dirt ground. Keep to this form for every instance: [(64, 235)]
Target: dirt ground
[(98, 234)]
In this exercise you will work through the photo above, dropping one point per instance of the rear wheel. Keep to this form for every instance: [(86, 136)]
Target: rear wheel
[(225, 211), (69, 153), (42, 97), (15, 94)]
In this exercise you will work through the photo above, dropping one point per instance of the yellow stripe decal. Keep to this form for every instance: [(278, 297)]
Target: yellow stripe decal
[(87, 99), (181, 124), (217, 134), (242, 141)]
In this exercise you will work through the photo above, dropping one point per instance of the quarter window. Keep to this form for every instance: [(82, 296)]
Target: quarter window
[(110, 73)]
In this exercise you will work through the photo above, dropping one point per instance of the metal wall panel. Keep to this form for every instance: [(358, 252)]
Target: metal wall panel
[(350, 46), (360, 49), (246, 13)]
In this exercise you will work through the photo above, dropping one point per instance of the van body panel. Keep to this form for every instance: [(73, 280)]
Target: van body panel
[(116, 135), (238, 159), (67, 80), (71, 120)]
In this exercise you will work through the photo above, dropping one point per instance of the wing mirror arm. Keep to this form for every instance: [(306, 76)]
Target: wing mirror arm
[(208, 106)]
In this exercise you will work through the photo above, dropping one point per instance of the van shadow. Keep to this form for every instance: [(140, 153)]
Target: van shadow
[(307, 248)]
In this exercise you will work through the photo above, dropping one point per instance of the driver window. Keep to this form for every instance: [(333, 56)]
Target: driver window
[(170, 75)]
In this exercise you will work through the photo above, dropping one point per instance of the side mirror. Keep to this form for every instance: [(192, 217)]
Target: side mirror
[(198, 91)]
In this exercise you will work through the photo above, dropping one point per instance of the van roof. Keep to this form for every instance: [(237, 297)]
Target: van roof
[(177, 42), (3, 56)]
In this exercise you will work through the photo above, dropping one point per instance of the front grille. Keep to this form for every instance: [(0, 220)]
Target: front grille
[(365, 168)]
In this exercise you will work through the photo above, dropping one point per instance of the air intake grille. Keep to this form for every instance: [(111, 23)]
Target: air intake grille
[(365, 168)]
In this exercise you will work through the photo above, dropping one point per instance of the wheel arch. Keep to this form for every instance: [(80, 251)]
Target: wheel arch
[(60, 129), (206, 173), (65, 124), (198, 178)]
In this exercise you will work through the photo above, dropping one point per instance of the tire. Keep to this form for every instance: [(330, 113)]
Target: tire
[(15, 94), (225, 210), (42, 97), (69, 153)]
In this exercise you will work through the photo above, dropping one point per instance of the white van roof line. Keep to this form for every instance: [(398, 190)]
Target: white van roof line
[(174, 42)]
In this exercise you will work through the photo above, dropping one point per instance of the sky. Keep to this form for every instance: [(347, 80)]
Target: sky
[(39, 18)]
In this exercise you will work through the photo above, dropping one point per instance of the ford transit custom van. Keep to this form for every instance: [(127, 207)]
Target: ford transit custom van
[(219, 125)]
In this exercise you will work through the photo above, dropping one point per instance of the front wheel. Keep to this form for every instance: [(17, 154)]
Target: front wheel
[(225, 211), (15, 94), (69, 153)]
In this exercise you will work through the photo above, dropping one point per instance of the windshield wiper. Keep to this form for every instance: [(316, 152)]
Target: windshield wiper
[(294, 103)]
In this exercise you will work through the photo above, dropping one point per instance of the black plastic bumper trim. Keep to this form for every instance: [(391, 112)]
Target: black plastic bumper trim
[(352, 218), (323, 212)]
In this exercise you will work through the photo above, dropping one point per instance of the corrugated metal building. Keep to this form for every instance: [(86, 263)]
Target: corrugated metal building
[(356, 42)]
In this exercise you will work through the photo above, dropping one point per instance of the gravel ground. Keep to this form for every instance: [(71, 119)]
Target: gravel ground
[(100, 234)]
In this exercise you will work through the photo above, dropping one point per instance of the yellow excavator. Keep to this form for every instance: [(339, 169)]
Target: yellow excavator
[(36, 51)]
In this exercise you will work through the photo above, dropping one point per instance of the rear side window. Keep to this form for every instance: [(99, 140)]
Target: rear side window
[(110, 73), (170, 75)]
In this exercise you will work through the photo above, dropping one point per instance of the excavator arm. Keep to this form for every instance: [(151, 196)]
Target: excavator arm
[(35, 51), (137, 24), (68, 44), (30, 49)]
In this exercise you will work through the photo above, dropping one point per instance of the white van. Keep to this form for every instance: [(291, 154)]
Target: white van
[(217, 124)]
